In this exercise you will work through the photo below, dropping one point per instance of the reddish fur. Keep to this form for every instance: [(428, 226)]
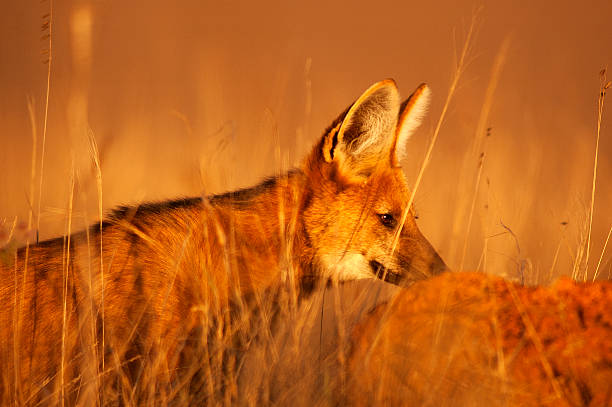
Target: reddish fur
[(168, 267)]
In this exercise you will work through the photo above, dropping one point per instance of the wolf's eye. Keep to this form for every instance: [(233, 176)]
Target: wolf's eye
[(387, 220)]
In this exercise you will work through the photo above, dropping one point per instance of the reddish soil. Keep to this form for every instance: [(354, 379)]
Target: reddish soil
[(472, 339)]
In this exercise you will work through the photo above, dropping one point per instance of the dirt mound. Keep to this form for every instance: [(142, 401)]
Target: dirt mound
[(472, 339)]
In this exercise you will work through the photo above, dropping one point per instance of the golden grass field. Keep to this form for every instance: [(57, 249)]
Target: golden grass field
[(110, 103)]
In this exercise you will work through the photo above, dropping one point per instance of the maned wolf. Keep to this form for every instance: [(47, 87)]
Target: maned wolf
[(117, 306)]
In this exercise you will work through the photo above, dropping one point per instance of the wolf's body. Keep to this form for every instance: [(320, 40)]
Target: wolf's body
[(75, 322)]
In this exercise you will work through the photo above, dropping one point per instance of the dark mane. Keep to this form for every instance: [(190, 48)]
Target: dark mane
[(153, 207), (238, 198), (243, 196)]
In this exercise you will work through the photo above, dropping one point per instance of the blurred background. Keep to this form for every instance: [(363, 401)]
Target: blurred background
[(199, 97)]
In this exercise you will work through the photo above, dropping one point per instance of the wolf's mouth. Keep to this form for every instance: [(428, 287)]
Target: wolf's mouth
[(384, 273)]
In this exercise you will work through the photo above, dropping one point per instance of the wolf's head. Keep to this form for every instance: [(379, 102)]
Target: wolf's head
[(357, 215)]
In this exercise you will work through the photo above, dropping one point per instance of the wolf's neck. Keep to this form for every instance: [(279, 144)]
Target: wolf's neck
[(266, 223)]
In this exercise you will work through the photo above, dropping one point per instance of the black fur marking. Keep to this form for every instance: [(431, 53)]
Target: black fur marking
[(51, 243), (338, 120), (123, 212), (334, 144), (385, 274), (308, 284), (306, 199), (134, 214), (243, 197), (334, 127), (238, 198)]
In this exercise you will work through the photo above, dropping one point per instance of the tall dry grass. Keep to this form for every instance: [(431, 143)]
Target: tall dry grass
[(272, 350)]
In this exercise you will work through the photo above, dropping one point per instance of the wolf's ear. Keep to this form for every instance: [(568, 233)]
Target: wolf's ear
[(365, 134), (411, 114)]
